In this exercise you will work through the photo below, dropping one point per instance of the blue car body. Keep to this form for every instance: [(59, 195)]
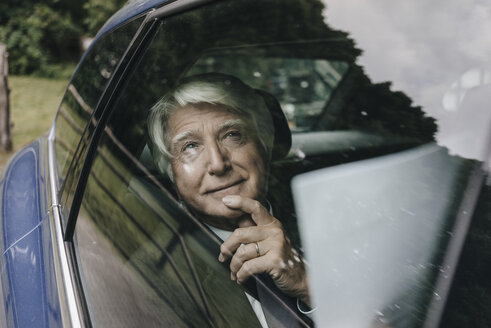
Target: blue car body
[(27, 261)]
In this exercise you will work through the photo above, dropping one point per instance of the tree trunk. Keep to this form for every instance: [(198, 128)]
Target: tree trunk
[(5, 137)]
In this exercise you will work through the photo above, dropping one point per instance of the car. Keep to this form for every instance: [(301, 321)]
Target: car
[(379, 171)]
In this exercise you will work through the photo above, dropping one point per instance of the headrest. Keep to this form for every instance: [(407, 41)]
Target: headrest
[(282, 134)]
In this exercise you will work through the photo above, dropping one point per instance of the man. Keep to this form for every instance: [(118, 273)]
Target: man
[(214, 136)]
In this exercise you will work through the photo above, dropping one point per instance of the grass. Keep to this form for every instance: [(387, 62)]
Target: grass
[(33, 105)]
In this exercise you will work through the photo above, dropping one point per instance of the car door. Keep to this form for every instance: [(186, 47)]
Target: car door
[(137, 256), (140, 257)]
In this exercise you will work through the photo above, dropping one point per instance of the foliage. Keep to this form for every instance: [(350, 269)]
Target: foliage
[(23, 39), (41, 36), (98, 11), (376, 108)]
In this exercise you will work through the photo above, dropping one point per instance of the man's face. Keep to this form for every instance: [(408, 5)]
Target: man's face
[(215, 153)]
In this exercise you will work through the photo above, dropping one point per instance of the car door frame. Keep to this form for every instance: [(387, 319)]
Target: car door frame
[(73, 305)]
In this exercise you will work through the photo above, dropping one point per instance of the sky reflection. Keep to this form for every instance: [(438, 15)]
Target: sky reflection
[(437, 52)]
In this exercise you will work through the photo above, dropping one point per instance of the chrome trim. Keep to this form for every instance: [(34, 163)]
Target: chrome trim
[(175, 7), (68, 305)]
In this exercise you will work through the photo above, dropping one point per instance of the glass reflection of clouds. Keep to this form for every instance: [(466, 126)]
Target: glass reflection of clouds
[(438, 53), (471, 79)]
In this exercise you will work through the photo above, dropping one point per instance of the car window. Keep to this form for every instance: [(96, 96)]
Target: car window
[(302, 86), (142, 260), (144, 257), (139, 250), (384, 234), (75, 120)]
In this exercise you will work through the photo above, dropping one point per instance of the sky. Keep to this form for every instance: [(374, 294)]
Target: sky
[(437, 52)]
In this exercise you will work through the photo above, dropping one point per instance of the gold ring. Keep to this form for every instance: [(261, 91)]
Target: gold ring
[(257, 250)]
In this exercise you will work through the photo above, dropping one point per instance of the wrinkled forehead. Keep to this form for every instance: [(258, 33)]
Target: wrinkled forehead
[(216, 115)]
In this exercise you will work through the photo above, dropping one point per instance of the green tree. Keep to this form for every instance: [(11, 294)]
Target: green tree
[(43, 35), (98, 11), (37, 35)]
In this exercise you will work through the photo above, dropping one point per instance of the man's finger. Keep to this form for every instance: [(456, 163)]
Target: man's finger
[(255, 266), (259, 214), (248, 252), (242, 236)]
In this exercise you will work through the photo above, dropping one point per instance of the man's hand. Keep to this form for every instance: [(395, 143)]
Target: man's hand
[(263, 248)]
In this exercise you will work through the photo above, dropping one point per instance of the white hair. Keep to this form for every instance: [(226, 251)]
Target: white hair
[(215, 89)]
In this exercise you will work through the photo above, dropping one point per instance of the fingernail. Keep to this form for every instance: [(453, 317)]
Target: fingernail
[(227, 200), (232, 276), (221, 258)]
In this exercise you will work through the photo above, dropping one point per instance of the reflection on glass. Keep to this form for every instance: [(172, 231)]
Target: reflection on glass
[(160, 263), (389, 225), (143, 257), (302, 86), (75, 120), (471, 79)]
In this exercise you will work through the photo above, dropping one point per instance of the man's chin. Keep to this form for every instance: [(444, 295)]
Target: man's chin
[(226, 218)]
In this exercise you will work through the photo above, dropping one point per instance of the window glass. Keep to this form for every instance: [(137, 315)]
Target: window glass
[(84, 91), (146, 255), (144, 259), (302, 86), (144, 263), (75, 119)]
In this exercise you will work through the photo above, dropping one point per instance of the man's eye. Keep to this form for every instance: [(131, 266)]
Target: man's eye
[(233, 134), (189, 146)]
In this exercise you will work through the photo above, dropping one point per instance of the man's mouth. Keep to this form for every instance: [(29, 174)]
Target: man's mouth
[(224, 187)]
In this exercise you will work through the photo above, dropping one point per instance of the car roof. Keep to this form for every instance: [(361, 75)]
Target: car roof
[(131, 9)]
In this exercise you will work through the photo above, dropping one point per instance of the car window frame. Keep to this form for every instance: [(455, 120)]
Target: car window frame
[(99, 39), (108, 95), (113, 87), (106, 105), (66, 250), (128, 62), (125, 67)]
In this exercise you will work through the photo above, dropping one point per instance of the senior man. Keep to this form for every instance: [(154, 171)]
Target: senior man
[(214, 135)]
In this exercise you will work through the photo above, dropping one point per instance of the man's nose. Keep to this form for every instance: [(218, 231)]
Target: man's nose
[(218, 159)]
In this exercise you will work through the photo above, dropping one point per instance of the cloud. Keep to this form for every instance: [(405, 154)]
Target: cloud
[(413, 42), (424, 47)]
